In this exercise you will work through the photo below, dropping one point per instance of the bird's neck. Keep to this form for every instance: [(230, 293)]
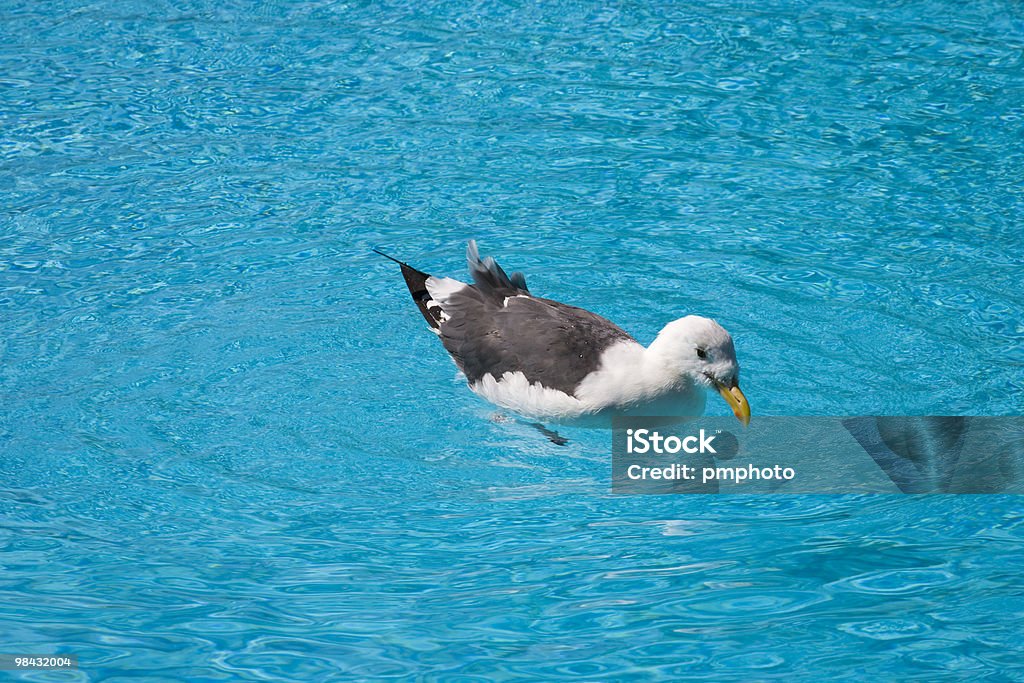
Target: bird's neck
[(662, 371), (632, 376), (671, 386)]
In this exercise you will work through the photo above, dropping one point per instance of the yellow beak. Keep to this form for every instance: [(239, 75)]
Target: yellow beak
[(736, 400)]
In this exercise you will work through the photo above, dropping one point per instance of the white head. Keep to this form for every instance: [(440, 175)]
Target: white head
[(702, 351)]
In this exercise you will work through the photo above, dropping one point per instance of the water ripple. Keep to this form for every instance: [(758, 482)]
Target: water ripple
[(227, 451)]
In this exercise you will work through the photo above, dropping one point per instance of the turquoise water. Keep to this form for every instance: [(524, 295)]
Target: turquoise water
[(229, 448)]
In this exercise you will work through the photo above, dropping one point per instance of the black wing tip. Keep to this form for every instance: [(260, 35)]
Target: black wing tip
[(415, 281), (388, 256)]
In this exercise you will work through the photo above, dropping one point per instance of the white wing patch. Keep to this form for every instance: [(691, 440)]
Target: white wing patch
[(441, 289)]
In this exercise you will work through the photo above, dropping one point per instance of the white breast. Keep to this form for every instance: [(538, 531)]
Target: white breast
[(624, 384)]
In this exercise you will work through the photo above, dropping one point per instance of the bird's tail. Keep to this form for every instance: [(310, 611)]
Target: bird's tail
[(416, 281)]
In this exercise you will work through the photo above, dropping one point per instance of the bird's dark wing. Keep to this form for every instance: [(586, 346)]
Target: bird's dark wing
[(551, 343)]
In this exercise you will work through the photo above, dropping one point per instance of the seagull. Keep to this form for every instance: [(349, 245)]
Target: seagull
[(552, 362)]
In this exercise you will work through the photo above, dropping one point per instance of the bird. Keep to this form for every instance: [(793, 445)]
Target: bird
[(554, 363)]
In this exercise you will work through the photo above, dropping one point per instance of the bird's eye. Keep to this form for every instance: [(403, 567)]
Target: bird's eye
[(702, 354)]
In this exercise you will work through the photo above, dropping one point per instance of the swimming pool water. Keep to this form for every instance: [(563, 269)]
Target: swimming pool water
[(229, 449)]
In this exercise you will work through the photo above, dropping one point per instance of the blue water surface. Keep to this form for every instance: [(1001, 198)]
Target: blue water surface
[(230, 449)]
